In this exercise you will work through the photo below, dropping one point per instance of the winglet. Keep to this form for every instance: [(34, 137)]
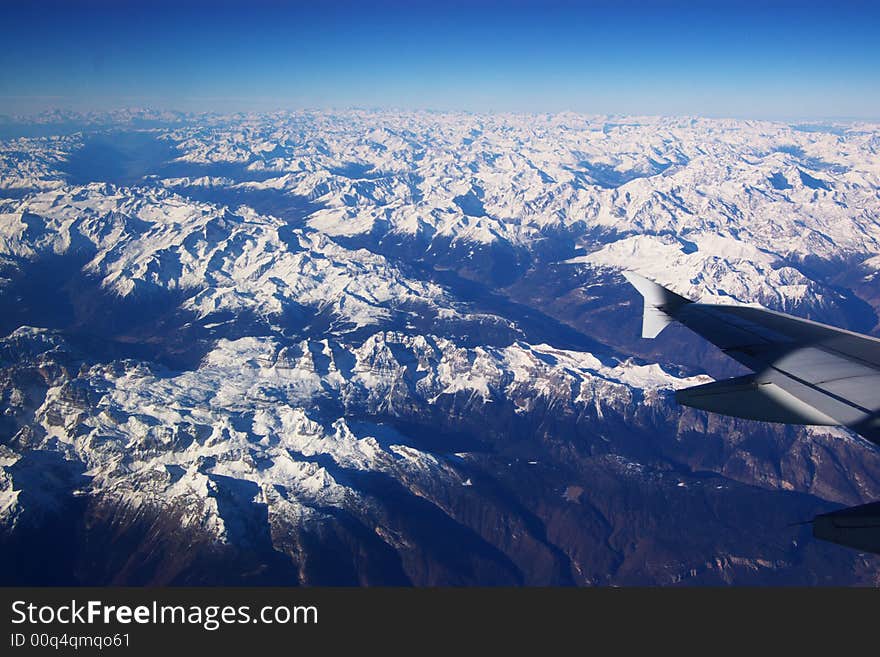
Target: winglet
[(658, 303)]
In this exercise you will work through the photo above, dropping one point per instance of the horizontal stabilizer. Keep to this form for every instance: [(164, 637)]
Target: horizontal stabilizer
[(750, 398), (856, 527), (659, 302)]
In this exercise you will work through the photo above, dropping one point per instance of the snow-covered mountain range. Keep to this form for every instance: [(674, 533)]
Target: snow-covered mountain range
[(369, 347)]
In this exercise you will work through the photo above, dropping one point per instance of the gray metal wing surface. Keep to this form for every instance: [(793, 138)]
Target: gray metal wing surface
[(804, 372)]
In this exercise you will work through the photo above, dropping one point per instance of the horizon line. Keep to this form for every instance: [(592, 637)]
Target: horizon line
[(24, 116)]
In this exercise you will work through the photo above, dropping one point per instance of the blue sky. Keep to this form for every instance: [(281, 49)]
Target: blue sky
[(788, 60)]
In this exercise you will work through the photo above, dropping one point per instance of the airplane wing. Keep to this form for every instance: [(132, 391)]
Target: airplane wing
[(804, 372)]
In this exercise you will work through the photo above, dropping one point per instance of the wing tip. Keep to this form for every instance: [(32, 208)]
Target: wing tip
[(657, 301)]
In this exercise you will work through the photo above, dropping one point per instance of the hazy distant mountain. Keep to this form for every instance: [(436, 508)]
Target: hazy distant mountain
[(376, 348)]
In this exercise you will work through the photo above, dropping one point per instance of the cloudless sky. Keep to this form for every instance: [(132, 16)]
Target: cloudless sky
[(783, 60)]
